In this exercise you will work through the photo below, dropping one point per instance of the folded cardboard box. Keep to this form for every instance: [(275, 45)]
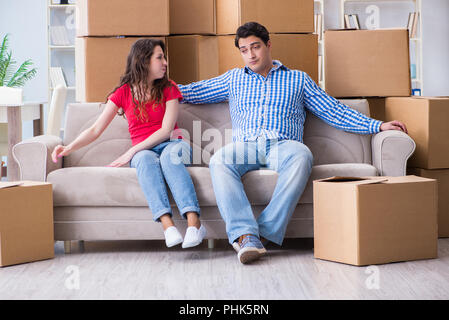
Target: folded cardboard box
[(26, 222), (442, 177), (99, 64), (225, 16), (295, 51), (122, 18), (377, 108), (192, 58), (375, 220), (286, 16), (426, 119), (367, 63), (193, 17)]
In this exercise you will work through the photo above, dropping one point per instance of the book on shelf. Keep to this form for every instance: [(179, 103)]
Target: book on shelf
[(414, 30), (347, 22), (352, 21), (320, 69), (318, 26), (59, 36), (355, 21), (411, 17), (57, 77)]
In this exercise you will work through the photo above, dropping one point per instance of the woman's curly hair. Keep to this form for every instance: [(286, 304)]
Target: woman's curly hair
[(136, 76)]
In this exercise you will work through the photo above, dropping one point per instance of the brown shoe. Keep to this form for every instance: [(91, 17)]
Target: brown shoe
[(250, 248)]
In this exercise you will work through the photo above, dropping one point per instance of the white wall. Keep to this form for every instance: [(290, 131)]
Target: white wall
[(25, 21), (436, 47)]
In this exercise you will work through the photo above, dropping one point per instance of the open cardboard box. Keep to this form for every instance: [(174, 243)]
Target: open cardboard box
[(375, 220)]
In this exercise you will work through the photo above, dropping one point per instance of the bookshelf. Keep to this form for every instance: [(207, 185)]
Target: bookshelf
[(319, 29), (399, 21), (61, 33)]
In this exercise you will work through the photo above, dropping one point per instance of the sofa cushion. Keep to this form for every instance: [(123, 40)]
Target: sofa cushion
[(104, 186)]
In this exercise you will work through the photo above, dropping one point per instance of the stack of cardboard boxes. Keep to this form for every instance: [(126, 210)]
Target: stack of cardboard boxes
[(426, 119), (375, 64), (199, 36), (106, 30), (370, 220), (203, 33)]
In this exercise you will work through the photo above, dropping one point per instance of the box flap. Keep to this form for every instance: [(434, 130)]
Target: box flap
[(4, 184), (356, 180)]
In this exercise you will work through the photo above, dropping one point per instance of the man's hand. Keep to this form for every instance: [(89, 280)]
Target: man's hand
[(393, 125)]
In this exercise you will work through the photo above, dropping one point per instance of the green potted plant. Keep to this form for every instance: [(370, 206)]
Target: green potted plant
[(11, 79)]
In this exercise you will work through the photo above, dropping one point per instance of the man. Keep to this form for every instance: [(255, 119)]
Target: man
[(267, 104)]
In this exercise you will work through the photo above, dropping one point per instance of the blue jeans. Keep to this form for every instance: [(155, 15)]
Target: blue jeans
[(292, 160), (166, 160)]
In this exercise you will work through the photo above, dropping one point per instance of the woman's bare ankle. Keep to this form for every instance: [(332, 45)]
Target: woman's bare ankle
[(193, 220), (166, 221)]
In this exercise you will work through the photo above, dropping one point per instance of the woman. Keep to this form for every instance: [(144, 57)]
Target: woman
[(149, 101)]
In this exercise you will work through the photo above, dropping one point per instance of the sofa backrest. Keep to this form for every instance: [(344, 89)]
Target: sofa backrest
[(208, 128), (114, 141)]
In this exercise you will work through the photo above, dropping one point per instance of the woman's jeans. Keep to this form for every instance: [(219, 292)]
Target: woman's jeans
[(166, 160), (293, 162)]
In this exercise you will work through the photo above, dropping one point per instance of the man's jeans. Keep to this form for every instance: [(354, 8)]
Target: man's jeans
[(292, 160), (166, 160)]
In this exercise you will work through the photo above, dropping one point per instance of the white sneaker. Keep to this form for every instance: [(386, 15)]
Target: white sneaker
[(172, 236), (194, 236)]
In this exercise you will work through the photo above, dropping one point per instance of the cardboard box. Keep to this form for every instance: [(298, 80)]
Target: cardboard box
[(367, 63), (192, 58), (122, 18), (26, 222), (426, 121), (296, 51), (377, 108), (375, 220), (99, 64), (442, 176), (286, 16), (193, 17)]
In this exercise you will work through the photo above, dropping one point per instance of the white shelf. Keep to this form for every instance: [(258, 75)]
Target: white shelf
[(319, 5), (62, 47), (68, 88), (62, 56), (60, 6)]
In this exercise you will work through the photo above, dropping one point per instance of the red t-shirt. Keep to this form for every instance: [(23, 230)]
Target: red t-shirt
[(139, 129)]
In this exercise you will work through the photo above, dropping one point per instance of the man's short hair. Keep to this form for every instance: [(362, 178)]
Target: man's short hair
[(252, 29)]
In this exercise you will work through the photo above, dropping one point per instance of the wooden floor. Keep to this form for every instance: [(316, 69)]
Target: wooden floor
[(149, 270)]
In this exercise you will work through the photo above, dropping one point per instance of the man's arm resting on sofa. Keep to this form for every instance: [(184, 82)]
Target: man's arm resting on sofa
[(212, 90), (390, 151), (34, 157)]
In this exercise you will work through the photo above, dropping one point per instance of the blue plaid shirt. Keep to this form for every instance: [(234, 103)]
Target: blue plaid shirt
[(275, 107)]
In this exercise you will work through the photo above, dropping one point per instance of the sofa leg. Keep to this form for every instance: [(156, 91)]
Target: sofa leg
[(67, 246), (81, 245), (211, 243)]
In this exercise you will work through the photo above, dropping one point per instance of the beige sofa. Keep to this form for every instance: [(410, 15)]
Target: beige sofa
[(94, 202)]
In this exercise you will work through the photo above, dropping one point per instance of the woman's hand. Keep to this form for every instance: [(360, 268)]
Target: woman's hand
[(60, 151), (122, 160)]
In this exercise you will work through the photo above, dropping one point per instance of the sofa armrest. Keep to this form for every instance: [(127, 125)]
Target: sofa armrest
[(34, 157), (390, 151)]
